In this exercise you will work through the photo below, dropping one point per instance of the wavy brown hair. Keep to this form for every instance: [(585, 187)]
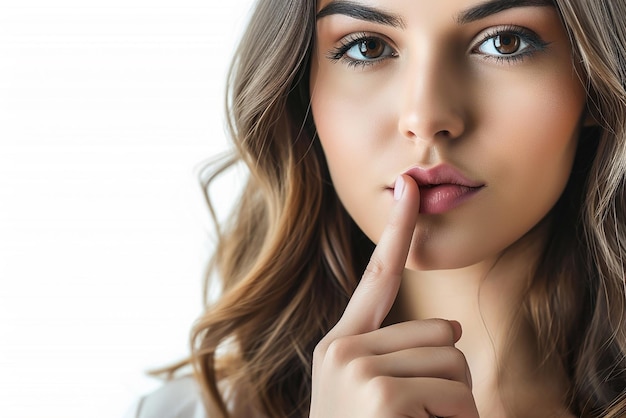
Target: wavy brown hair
[(577, 301), (290, 256)]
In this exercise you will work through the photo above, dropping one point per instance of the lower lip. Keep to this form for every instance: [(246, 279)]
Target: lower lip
[(445, 197)]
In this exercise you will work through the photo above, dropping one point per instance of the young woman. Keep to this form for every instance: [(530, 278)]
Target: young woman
[(433, 223)]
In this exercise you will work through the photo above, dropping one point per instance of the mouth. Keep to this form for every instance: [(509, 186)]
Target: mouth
[(442, 188), (441, 198)]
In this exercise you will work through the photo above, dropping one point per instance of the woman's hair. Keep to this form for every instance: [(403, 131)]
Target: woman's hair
[(577, 300), (290, 256)]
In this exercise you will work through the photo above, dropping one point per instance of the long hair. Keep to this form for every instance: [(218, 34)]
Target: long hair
[(577, 300), (290, 256)]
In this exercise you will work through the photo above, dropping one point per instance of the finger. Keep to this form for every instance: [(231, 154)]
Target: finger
[(409, 334), (422, 396), (379, 285), (446, 398), (437, 362)]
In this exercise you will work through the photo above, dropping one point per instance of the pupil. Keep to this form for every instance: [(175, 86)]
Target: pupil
[(370, 48), (507, 44)]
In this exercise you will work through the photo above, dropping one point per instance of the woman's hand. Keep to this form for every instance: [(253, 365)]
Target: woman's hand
[(410, 369)]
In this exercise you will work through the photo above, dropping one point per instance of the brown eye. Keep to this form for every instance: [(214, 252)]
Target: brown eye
[(509, 44), (371, 48), (363, 50), (506, 43)]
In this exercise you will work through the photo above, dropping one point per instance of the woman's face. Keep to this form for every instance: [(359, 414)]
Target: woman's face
[(478, 101)]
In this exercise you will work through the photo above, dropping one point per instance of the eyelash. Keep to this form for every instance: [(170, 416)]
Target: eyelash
[(535, 43), (339, 53)]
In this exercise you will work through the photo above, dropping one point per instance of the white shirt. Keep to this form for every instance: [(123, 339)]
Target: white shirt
[(178, 398)]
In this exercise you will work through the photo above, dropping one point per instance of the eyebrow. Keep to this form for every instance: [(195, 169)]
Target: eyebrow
[(361, 12), (372, 14), (489, 8)]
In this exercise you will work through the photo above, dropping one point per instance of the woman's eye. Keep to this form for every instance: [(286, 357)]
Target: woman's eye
[(503, 44), (509, 44), (368, 49), (361, 50)]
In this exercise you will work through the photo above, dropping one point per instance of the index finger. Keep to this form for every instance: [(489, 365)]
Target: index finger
[(378, 288)]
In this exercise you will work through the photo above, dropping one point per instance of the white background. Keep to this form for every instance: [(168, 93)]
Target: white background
[(106, 108)]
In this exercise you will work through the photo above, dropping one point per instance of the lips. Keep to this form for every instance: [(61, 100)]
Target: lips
[(442, 188)]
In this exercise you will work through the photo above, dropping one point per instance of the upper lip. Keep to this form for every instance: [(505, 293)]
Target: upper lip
[(441, 174)]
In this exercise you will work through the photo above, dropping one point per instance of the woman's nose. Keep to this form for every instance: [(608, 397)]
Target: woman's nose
[(432, 104)]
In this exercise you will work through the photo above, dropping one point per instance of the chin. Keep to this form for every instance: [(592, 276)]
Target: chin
[(422, 263), (428, 259)]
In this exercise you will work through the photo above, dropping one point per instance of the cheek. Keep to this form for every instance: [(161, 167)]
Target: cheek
[(352, 146), (354, 134), (538, 135), (348, 114), (343, 137)]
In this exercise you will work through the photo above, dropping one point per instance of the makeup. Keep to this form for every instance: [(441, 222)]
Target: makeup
[(442, 188)]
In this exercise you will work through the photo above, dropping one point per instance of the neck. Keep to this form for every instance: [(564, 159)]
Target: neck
[(508, 373)]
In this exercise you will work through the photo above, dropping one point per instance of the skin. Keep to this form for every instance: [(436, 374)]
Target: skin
[(441, 94)]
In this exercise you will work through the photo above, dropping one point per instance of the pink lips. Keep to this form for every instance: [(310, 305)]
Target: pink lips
[(442, 188)]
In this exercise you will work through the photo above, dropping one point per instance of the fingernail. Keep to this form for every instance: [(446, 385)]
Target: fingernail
[(398, 188)]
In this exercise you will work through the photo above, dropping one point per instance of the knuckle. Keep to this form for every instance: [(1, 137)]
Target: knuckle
[(361, 368), (375, 266), (320, 351), (340, 351), (381, 391), (322, 345)]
